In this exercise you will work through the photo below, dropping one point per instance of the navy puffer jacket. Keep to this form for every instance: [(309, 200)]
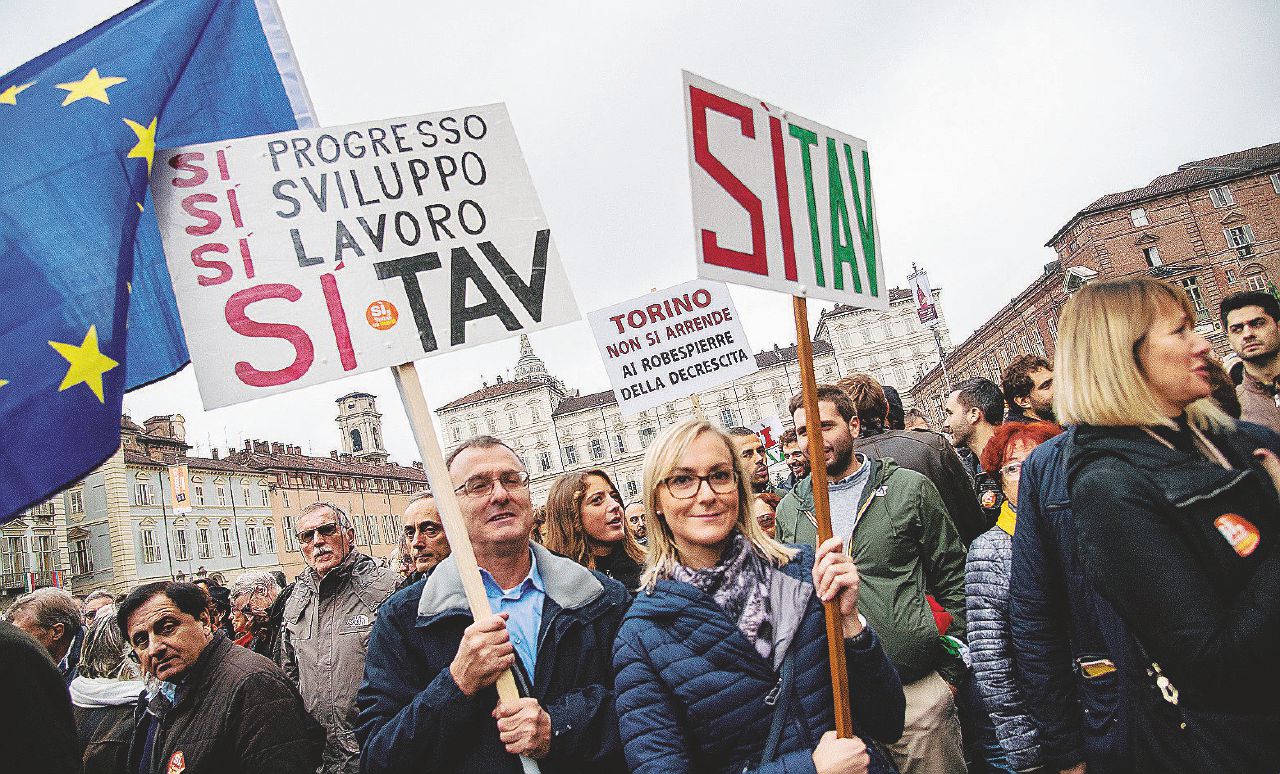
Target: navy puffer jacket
[(986, 590), (691, 689)]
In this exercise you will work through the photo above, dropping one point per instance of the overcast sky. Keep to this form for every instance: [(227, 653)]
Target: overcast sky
[(989, 125)]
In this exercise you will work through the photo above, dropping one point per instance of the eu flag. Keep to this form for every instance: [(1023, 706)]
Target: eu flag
[(86, 307)]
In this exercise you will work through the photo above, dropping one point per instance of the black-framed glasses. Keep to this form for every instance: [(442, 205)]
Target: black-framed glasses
[(481, 486), (325, 530), (684, 486)]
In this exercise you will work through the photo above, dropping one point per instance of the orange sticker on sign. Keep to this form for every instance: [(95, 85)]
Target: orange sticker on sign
[(1239, 532), (382, 315), (178, 763)]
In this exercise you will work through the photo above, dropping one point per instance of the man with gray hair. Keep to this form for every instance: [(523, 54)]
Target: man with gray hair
[(54, 618), (327, 621), (251, 596), (95, 602)]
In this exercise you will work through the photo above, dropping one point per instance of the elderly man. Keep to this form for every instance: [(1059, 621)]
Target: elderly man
[(428, 703), (54, 618), (215, 707), (252, 595), (327, 621), (424, 533)]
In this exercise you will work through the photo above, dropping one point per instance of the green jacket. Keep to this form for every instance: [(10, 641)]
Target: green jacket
[(905, 547)]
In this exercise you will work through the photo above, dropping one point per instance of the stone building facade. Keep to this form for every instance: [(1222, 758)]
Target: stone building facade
[(1211, 228), (32, 550)]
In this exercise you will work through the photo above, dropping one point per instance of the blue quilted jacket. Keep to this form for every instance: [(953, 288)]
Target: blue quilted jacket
[(986, 591), (690, 689)]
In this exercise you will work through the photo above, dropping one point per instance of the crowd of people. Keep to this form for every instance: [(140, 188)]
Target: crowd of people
[(1075, 575)]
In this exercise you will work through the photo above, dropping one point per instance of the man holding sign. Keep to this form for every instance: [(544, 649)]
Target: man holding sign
[(428, 701)]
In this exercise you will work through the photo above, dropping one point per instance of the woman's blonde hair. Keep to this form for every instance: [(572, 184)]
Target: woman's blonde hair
[(562, 530), (1098, 379), (663, 456)]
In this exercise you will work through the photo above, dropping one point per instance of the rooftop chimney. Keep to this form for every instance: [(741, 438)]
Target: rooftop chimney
[(214, 452), (418, 465), (277, 447), (333, 454)]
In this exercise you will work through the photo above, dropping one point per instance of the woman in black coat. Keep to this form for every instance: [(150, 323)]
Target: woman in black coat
[(585, 523), (1177, 517)]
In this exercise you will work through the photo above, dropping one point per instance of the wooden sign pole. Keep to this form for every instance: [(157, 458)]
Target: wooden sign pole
[(455, 529), (822, 512)]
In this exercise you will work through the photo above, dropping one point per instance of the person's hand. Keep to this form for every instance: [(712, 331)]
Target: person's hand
[(836, 577), (840, 756), (1271, 464), (524, 727), (1076, 769), (483, 655)]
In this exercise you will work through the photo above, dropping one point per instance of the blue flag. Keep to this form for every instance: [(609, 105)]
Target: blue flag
[(86, 306)]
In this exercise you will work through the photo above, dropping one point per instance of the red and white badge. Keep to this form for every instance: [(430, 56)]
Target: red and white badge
[(1239, 532), (177, 763)]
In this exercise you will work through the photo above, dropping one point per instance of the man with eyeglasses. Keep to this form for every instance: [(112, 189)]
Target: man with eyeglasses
[(428, 702), (424, 537), (327, 621), (894, 524)]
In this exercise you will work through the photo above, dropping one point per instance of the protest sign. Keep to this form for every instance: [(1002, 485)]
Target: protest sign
[(769, 430), (781, 202), (922, 295), (302, 257), (179, 489), (670, 344)]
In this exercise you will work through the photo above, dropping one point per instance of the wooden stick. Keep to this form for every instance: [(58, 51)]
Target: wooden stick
[(822, 513), (455, 529)]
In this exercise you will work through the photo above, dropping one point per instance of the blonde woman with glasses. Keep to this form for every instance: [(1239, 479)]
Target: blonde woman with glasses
[(721, 661), (1176, 519)]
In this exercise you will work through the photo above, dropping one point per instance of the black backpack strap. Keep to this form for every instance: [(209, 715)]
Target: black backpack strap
[(780, 699)]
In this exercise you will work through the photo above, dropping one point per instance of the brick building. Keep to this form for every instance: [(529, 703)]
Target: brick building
[(1210, 228)]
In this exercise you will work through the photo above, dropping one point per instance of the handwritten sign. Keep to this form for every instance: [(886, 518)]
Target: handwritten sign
[(671, 344), (302, 257), (781, 202)]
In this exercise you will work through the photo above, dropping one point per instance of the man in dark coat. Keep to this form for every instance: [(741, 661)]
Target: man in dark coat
[(37, 732), (217, 708), (428, 703), (923, 451)]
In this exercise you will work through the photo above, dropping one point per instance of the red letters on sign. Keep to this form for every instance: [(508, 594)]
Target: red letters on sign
[(212, 220), (239, 321), (182, 163), (756, 261), (223, 268), (338, 320)]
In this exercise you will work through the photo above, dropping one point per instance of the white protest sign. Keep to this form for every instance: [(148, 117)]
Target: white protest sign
[(671, 344), (780, 202), (770, 431), (302, 257), (922, 295)]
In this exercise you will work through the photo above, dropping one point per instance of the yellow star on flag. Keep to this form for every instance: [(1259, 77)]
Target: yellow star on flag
[(10, 95), (146, 147), (92, 85), (3, 382), (88, 364)]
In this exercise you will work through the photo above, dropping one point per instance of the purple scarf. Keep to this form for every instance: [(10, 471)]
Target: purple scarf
[(739, 584)]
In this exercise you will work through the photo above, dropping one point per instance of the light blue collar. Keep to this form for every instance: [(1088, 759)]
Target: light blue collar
[(534, 578)]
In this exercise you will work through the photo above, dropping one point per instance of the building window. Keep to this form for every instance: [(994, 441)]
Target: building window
[(227, 542), (45, 554), (646, 436), (1221, 196), (142, 494), (202, 543), (1138, 217), (632, 491), (244, 492), (544, 461), (198, 491), (1192, 289), (1241, 238), (457, 432), (284, 498), (1256, 282), (77, 501), (490, 423), (81, 557), (1275, 182), (571, 455), (1152, 254), (266, 498), (597, 449), (726, 417), (14, 558), (620, 443), (533, 409), (251, 537), (511, 419), (150, 550), (362, 536), (222, 494), (1231, 277), (180, 550)]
